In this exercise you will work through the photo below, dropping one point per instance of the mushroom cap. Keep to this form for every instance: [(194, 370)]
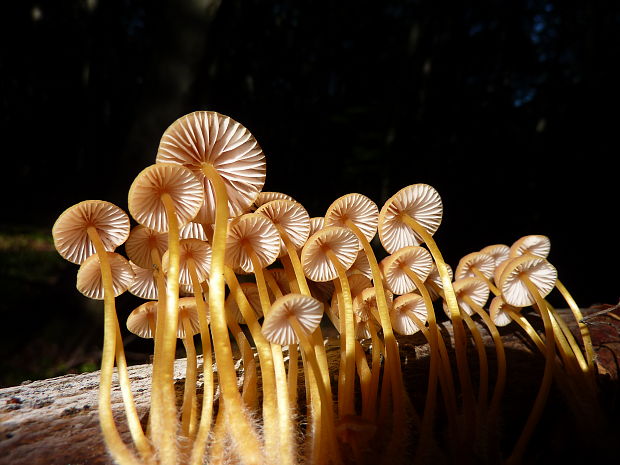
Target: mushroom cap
[(279, 274), (291, 217), (499, 269), (534, 244), (193, 230), (138, 319), (497, 311), (259, 233), (199, 251), (188, 309), (316, 264), (305, 309), (358, 208), (144, 284), (435, 279), (316, 224), (140, 243), (207, 137), (89, 280), (361, 265), (537, 269), (499, 252), (250, 290), (264, 197), (474, 288), (422, 203), (482, 262), (366, 300), (404, 304), (70, 231), (416, 258), (144, 199)]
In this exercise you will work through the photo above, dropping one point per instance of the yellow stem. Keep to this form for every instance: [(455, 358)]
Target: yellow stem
[(363, 371), (188, 411), (117, 448), (460, 342), (243, 433), (250, 381), (545, 385), (488, 282), (483, 388)]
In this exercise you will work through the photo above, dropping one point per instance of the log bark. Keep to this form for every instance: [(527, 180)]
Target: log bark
[(54, 421)]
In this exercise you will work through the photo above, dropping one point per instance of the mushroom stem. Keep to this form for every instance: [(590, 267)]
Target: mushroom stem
[(545, 385), (570, 352), (326, 412), (488, 282), (244, 435), (161, 305), (392, 362), (121, 453), (285, 444), (583, 328), (348, 326), (206, 414), (500, 384), (188, 409), (483, 388), (377, 349), (460, 342), (265, 355)]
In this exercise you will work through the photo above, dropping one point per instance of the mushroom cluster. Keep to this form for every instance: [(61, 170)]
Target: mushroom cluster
[(258, 282)]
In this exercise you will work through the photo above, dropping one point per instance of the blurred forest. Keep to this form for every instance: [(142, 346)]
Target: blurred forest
[(508, 110)]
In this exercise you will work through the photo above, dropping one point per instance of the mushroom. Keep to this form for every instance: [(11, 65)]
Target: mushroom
[(527, 280), (292, 319), (231, 165), (252, 244), (411, 217), (96, 226), (163, 197), (540, 246), (480, 265), (499, 252), (325, 257), (264, 197), (143, 284)]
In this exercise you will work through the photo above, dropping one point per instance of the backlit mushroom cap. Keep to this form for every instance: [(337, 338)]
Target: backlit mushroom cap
[(140, 243), (361, 265), (259, 233), (141, 321), (70, 229), (316, 224), (207, 137), (482, 262), (199, 251), (474, 288), (403, 306), (534, 244), (188, 309), (435, 279), (316, 264), (143, 284), (305, 309), (193, 230), (366, 301), (89, 280), (499, 252), (250, 290), (537, 269), (422, 203), (291, 217), (144, 199), (499, 269), (264, 197), (498, 313), (415, 258), (358, 208)]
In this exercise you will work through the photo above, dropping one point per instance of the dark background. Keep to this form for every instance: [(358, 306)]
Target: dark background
[(508, 110)]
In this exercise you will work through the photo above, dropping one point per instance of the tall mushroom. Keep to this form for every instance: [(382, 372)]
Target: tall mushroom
[(231, 165)]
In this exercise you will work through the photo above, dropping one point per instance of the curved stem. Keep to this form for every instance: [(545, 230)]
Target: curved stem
[(545, 385), (119, 451), (348, 407), (460, 342), (483, 388), (488, 282), (250, 381), (206, 414), (243, 433), (583, 328), (377, 349)]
